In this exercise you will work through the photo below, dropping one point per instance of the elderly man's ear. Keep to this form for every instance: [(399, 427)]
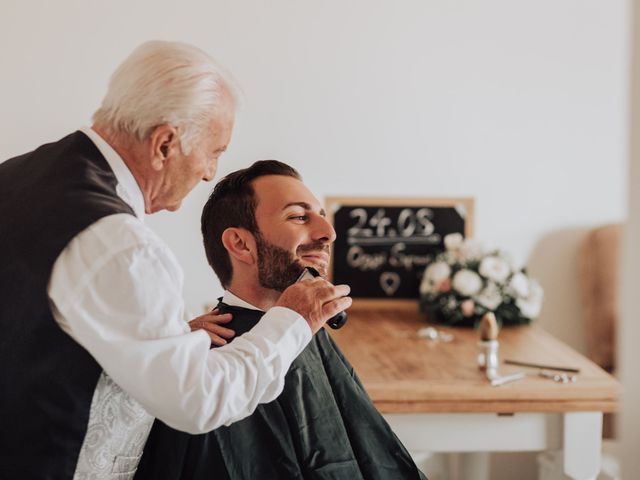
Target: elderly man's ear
[(240, 244), (163, 143)]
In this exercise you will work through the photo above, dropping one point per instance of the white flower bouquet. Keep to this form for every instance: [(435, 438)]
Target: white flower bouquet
[(464, 282)]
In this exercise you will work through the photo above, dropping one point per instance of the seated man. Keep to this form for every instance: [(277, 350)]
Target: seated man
[(261, 226)]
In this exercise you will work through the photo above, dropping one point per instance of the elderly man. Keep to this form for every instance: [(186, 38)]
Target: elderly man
[(261, 227), (94, 338)]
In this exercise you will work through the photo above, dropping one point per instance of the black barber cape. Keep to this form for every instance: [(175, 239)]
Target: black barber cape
[(322, 426)]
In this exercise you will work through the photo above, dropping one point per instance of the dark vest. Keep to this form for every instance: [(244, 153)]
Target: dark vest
[(47, 380)]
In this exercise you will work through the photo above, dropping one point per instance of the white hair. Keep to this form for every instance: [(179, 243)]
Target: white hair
[(164, 83)]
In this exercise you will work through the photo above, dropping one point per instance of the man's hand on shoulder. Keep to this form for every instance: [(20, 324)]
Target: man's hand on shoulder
[(212, 324), (316, 300)]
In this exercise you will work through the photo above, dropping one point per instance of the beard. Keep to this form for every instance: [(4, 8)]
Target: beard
[(278, 268)]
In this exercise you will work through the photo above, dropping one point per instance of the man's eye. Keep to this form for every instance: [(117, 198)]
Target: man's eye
[(302, 218)]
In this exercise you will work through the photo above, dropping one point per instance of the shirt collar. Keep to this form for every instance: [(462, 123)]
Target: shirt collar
[(127, 188), (235, 301)]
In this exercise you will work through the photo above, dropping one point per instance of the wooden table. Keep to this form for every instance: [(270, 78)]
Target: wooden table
[(438, 400)]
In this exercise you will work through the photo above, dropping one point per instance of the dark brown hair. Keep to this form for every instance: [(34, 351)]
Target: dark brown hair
[(232, 203)]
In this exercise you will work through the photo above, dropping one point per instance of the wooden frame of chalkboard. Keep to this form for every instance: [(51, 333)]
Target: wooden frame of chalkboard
[(383, 244)]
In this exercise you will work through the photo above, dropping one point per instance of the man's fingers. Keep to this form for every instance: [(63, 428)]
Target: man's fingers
[(214, 317), (325, 291), (211, 323), (216, 340), (316, 300), (341, 290), (335, 299), (217, 333), (212, 328), (221, 331), (336, 306)]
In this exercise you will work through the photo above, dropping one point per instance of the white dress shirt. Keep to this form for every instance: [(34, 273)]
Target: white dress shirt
[(117, 290), (231, 299)]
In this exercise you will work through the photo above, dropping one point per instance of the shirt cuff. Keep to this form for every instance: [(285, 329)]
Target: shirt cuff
[(285, 328)]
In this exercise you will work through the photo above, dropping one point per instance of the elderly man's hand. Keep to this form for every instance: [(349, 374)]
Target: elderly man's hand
[(212, 323), (316, 300)]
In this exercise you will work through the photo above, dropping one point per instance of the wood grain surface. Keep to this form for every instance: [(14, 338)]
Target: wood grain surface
[(404, 373)]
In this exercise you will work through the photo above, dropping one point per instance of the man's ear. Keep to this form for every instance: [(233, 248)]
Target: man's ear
[(240, 244), (163, 144)]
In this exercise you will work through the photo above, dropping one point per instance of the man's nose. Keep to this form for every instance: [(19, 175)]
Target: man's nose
[(210, 171), (324, 230)]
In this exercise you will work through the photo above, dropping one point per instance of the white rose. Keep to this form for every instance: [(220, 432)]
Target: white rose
[(530, 306), (519, 284), (438, 271), (467, 282), (425, 285), (489, 297), (472, 249), (494, 268), (435, 273), (453, 241)]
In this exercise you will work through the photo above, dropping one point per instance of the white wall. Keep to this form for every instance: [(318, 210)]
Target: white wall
[(517, 103), (521, 104)]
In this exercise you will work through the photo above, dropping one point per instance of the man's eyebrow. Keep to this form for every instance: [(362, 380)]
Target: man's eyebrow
[(304, 205)]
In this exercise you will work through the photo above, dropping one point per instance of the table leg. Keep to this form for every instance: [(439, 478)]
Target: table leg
[(582, 444), (469, 466)]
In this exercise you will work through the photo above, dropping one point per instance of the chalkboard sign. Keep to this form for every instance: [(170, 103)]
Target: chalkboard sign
[(384, 244)]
